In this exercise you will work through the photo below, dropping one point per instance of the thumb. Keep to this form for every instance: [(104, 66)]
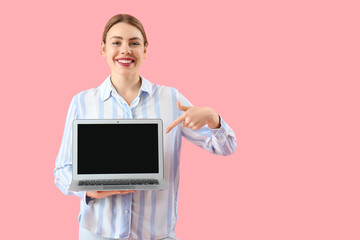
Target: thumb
[(181, 107)]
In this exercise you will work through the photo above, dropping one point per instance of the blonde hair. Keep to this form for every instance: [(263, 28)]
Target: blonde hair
[(125, 18)]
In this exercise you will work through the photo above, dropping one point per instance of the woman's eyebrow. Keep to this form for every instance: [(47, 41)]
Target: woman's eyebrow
[(133, 38)]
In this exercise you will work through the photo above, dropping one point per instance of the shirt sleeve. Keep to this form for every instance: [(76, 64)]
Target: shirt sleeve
[(220, 141), (63, 163)]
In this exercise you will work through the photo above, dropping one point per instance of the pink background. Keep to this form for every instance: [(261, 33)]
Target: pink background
[(283, 74)]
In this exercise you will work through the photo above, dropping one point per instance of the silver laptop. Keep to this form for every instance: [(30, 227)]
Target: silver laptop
[(117, 154)]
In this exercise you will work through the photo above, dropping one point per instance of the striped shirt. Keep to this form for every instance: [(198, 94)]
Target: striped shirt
[(143, 214)]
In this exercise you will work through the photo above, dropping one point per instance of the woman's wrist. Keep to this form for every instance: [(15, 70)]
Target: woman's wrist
[(215, 121)]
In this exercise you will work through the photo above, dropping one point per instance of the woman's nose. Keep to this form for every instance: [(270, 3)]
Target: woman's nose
[(125, 49)]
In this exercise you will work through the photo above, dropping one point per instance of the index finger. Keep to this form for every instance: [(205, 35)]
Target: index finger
[(126, 192), (176, 122)]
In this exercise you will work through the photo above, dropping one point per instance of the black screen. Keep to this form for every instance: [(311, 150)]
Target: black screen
[(117, 148)]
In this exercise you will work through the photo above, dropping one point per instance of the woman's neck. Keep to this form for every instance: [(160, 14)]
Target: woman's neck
[(125, 85)]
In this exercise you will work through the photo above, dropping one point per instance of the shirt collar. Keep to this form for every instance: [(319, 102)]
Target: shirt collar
[(106, 89)]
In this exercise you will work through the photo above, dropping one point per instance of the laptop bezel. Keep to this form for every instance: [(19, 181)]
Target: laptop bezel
[(78, 177)]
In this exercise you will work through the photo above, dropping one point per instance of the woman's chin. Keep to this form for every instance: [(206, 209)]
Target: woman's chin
[(124, 72)]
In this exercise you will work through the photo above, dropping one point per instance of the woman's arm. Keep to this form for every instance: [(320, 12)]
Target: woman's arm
[(205, 128), (196, 117)]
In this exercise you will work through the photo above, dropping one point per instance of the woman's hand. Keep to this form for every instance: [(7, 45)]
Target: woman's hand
[(103, 194), (196, 117)]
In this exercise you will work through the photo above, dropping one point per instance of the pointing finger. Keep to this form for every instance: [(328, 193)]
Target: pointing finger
[(176, 122)]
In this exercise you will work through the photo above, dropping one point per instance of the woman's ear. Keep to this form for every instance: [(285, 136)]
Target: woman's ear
[(103, 49), (145, 51)]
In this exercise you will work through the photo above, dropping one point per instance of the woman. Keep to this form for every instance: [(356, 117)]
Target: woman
[(127, 94)]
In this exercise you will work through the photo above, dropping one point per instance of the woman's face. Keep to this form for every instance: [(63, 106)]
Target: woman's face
[(124, 49)]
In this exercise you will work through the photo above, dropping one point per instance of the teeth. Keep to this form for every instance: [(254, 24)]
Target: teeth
[(124, 61)]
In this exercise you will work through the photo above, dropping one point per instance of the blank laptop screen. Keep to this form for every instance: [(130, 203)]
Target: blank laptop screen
[(117, 148)]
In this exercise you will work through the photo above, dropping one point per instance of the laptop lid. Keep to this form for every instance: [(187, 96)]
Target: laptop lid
[(117, 149)]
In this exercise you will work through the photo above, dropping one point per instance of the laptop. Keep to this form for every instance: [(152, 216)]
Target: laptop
[(117, 154)]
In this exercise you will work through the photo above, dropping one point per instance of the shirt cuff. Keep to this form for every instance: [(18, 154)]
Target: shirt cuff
[(220, 133), (88, 200)]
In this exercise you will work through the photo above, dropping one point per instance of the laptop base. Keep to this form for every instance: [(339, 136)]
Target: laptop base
[(76, 188)]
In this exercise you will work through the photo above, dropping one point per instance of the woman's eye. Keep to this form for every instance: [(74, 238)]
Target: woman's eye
[(116, 43), (135, 43)]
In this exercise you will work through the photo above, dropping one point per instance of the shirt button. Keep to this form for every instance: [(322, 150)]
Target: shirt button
[(126, 211)]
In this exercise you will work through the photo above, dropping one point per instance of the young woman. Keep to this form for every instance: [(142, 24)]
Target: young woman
[(127, 94)]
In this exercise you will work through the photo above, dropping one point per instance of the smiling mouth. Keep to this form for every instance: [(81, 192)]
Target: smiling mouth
[(126, 61)]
